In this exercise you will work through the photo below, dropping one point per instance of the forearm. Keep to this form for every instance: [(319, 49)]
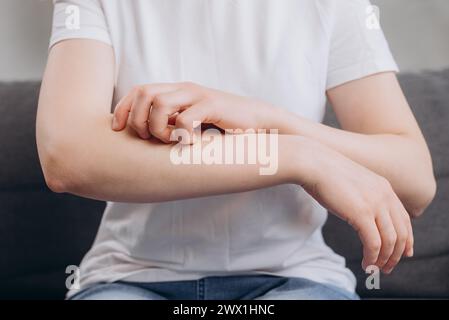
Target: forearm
[(403, 160), (117, 166)]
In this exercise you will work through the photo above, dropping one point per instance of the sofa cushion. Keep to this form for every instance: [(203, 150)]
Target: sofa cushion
[(19, 164), (41, 232)]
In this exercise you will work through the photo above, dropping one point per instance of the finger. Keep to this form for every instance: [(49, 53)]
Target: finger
[(121, 111), (402, 235), (145, 99), (388, 236), (193, 117), (370, 237), (411, 239), (139, 113), (408, 252), (124, 107), (166, 106)]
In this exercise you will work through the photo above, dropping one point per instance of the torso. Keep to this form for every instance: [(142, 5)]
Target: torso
[(272, 50)]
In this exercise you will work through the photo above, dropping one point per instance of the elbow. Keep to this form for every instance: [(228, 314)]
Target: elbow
[(424, 184), (423, 197), (56, 163), (54, 183), (55, 180)]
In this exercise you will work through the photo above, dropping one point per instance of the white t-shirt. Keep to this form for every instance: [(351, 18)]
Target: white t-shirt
[(285, 52)]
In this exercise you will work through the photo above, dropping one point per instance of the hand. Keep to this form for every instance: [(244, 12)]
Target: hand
[(153, 109), (367, 202)]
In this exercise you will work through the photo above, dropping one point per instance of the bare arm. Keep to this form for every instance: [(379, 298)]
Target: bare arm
[(379, 132), (80, 153)]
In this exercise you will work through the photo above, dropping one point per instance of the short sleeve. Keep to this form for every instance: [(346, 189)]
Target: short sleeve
[(358, 47), (79, 19)]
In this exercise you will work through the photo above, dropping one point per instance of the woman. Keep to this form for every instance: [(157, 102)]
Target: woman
[(216, 230)]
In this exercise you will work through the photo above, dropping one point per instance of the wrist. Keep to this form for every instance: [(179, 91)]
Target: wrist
[(270, 116), (300, 159), (285, 121)]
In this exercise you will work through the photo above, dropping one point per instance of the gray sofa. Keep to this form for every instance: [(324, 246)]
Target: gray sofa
[(42, 232)]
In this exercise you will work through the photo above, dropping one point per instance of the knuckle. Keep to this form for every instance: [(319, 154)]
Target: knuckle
[(386, 189), (384, 183), (391, 240), (145, 92), (360, 224), (374, 245), (402, 237), (147, 95), (408, 221), (159, 101), (138, 90), (363, 207), (209, 101), (189, 85)]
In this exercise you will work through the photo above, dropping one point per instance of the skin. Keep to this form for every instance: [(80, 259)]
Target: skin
[(362, 173)]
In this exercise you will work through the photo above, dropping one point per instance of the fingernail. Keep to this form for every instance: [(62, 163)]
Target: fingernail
[(410, 253), (114, 123)]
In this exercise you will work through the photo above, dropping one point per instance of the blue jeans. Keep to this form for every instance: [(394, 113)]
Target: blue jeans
[(250, 287)]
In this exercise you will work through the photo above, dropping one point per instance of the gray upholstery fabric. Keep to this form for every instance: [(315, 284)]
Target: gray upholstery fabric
[(19, 168), (42, 232)]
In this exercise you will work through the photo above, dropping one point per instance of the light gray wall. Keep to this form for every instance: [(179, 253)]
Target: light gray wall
[(24, 33), (418, 32)]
